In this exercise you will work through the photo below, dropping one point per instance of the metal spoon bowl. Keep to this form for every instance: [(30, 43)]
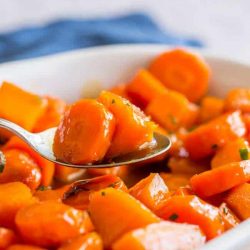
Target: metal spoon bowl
[(42, 144)]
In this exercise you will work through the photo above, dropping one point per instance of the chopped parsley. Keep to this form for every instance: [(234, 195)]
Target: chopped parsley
[(42, 188), (244, 154), (103, 193), (2, 161), (113, 184), (113, 101), (214, 146), (173, 217)]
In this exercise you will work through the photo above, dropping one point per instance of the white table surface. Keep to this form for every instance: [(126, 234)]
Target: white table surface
[(223, 25)]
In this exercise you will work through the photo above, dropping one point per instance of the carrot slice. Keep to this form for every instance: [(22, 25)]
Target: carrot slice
[(169, 110), (238, 99), (220, 179), (78, 193), (90, 241), (183, 71), (144, 87), (191, 209), (20, 167), (133, 128), (121, 90), (151, 191), (47, 167), (229, 218), (50, 223), (238, 199), (33, 106), (14, 195), (211, 107), (162, 236), (109, 221), (207, 138), (7, 238), (84, 134), (52, 115), (233, 151), (174, 181)]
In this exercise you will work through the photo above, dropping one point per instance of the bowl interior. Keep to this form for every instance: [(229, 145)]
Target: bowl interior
[(86, 72)]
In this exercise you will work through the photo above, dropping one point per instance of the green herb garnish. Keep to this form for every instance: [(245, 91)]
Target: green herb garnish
[(103, 193), (113, 101), (42, 188), (225, 211), (2, 161), (244, 154), (173, 217)]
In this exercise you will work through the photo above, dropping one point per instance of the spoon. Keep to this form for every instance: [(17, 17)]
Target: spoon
[(42, 143)]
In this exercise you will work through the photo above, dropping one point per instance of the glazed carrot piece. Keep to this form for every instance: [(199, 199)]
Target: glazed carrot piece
[(33, 106), (24, 247), (51, 223), (7, 238), (133, 128), (162, 236), (174, 181), (233, 151), (66, 174), (47, 167), (191, 209), (109, 221), (52, 115), (151, 191), (221, 179), (20, 167), (78, 193), (183, 71), (174, 113), (144, 87), (185, 166), (85, 133), (121, 90), (238, 199), (45, 194), (13, 196), (230, 219), (90, 241), (207, 138), (238, 99), (211, 107)]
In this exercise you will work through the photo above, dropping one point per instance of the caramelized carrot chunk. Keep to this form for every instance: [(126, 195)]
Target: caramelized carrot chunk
[(238, 199), (84, 134), (29, 104), (50, 223), (7, 238), (13, 196), (133, 128), (151, 191), (21, 167), (221, 179), (191, 209), (207, 138), (119, 214), (182, 71)]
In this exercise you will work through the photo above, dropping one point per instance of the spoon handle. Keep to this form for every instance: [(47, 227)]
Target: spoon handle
[(14, 128)]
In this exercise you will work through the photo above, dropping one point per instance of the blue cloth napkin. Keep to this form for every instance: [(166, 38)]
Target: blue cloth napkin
[(71, 34)]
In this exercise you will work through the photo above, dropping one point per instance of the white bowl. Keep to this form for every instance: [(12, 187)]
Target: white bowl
[(85, 72)]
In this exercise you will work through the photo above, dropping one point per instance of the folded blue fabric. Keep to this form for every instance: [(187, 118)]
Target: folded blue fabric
[(71, 34)]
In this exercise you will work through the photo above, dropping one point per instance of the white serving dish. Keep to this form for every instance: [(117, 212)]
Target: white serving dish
[(85, 72)]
